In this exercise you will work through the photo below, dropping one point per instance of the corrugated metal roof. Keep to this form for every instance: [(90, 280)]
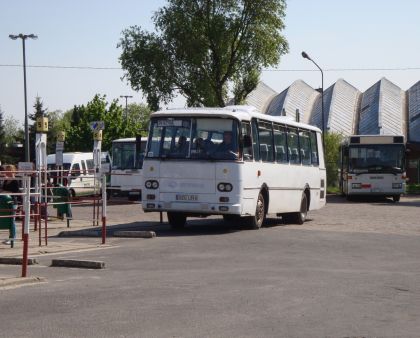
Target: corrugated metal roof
[(261, 96), (298, 96), (316, 114), (369, 119), (414, 113), (391, 117), (381, 109), (343, 108)]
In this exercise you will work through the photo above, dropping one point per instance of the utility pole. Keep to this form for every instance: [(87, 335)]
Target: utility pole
[(24, 37), (126, 106)]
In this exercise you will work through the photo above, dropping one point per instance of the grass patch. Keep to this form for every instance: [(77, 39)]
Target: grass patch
[(333, 190), (413, 189)]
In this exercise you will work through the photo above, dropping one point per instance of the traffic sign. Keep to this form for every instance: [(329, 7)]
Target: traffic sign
[(97, 125), (59, 146)]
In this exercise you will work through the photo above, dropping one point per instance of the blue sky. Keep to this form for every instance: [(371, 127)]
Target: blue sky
[(338, 35)]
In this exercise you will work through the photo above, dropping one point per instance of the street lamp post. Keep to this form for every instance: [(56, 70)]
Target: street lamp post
[(306, 56), (24, 37), (126, 107)]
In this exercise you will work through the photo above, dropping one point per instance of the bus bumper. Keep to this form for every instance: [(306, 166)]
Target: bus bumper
[(192, 208)]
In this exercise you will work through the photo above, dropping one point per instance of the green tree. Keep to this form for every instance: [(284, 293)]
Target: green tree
[(332, 157), (202, 48), (13, 131), (79, 136), (138, 119)]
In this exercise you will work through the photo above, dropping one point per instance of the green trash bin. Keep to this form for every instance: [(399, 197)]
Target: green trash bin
[(8, 208), (62, 195)]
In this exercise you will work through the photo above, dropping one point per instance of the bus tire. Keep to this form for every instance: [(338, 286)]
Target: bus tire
[(72, 193), (176, 220), (256, 221), (300, 217), (396, 198)]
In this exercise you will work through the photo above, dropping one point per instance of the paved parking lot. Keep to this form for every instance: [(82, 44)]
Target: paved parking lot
[(351, 270)]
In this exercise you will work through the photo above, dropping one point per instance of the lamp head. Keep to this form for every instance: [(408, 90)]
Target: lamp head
[(32, 36), (306, 56), (13, 37)]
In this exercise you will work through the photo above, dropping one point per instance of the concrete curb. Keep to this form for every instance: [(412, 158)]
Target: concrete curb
[(74, 263), (20, 281), (135, 234), (17, 261)]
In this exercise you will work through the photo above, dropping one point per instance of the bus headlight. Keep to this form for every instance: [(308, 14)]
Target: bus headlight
[(224, 187), (151, 184), (396, 185), (356, 185)]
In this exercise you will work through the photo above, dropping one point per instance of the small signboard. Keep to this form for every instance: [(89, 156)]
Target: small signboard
[(97, 125), (25, 166), (59, 146), (59, 157), (61, 136)]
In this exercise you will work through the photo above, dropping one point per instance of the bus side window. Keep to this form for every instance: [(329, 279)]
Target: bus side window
[(265, 137), (90, 166), (314, 149), (75, 170), (305, 147), (255, 140), (84, 167), (280, 144), (293, 142), (246, 143)]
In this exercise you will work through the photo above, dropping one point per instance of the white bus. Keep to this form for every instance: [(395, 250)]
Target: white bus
[(373, 165), (78, 172), (126, 167), (274, 165)]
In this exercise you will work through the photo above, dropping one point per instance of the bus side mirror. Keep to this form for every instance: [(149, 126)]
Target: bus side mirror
[(247, 142)]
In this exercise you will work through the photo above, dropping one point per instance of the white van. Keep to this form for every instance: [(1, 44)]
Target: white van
[(78, 172)]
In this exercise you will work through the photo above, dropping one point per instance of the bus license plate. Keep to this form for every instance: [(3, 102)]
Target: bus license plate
[(186, 197)]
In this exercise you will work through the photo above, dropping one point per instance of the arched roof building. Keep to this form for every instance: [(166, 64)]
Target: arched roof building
[(384, 108)]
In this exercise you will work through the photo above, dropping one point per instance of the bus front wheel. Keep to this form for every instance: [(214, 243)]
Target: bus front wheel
[(176, 220), (255, 222)]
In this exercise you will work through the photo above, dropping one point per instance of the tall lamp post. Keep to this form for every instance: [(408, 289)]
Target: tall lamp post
[(306, 56), (126, 107), (24, 37)]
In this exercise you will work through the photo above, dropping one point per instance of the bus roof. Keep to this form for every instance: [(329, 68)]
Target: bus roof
[(128, 139), (374, 139), (242, 113)]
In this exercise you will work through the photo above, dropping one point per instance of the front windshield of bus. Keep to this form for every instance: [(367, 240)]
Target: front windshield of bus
[(193, 138), (124, 156), (376, 158)]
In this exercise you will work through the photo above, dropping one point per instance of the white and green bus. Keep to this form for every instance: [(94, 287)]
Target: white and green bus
[(373, 165), (234, 162)]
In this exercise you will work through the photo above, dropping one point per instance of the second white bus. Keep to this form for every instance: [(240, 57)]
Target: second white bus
[(373, 165), (274, 166), (126, 167)]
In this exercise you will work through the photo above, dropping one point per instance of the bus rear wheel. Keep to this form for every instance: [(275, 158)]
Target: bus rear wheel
[(396, 198), (176, 220), (255, 222), (300, 217)]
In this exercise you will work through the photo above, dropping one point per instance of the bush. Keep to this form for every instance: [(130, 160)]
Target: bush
[(413, 189), (332, 157)]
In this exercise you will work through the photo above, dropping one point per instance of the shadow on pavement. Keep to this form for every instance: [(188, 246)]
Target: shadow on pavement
[(194, 227)]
